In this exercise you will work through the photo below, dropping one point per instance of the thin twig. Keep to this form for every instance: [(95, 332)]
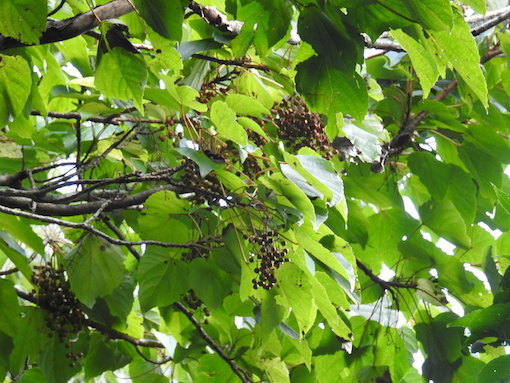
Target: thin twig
[(93, 230), (241, 373), (230, 62), (118, 233)]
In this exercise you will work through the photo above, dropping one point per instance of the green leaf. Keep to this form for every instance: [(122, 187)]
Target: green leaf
[(30, 338), (19, 228), (53, 363), (225, 122), (367, 142), (165, 17), (460, 51), (95, 268), (446, 221), (211, 291), (324, 172), (478, 5), (205, 164), (9, 315), (23, 20), (425, 63), (496, 371), (15, 82), (165, 210), (318, 251), (15, 253), (434, 14), (329, 89), (247, 106), (295, 289), (161, 277), (103, 355), (295, 195), (276, 370), (123, 75)]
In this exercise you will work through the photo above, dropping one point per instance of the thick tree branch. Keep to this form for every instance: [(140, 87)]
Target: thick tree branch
[(241, 373), (59, 30), (114, 119), (217, 19)]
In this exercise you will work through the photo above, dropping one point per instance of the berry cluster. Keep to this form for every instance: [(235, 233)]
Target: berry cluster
[(194, 302), (205, 189), (63, 312), (271, 255), (251, 166), (300, 127), (73, 357), (256, 138)]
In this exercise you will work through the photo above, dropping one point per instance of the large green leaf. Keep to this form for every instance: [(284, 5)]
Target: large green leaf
[(162, 278), (460, 51), (425, 63), (123, 75), (9, 315), (95, 268), (23, 20), (30, 338), (165, 210), (331, 89), (53, 363), (433, 14), (224, 119), (104, 356), (165, 17), (15, 84), (446, 221), (295, 288), (496, 371)]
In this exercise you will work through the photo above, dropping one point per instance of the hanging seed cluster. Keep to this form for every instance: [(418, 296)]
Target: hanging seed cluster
[(271, 255), (194, 302), (251, 166), (63, 312), (206, 189), (299, 127)]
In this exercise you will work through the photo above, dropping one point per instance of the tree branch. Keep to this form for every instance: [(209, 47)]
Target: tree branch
[(114, 119), (386, 285), (241, 373), (217, 19), (59, 30), (89, 228)]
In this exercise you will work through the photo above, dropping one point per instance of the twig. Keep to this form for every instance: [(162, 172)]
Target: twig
[(230, 62), (241, 373), (386, 285), (160, 362), (57, 8), (93, 230), (118, 233)]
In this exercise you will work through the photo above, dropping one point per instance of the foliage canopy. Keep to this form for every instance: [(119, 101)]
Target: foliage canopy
[(254, 190)]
